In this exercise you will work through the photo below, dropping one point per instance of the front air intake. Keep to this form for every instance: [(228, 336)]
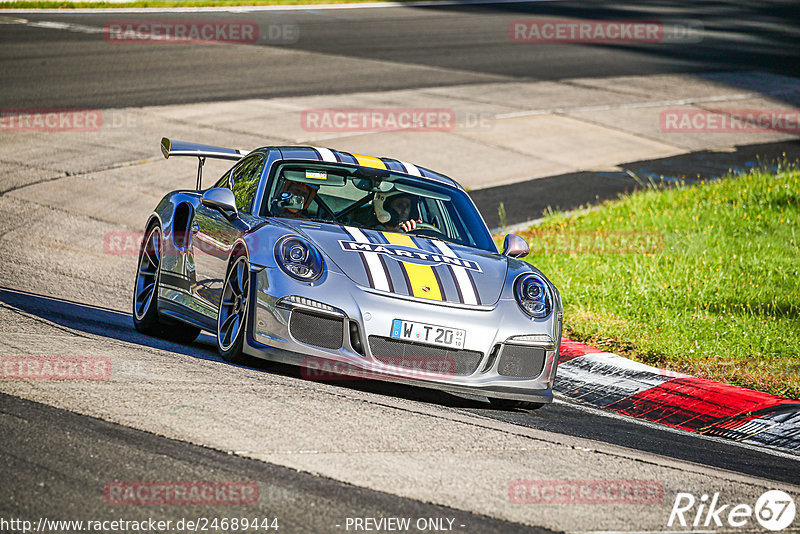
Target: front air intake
[(521, 361), (417, 357), (316, 330)]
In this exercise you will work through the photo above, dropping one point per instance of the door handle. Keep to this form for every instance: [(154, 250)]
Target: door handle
[(195, 228)]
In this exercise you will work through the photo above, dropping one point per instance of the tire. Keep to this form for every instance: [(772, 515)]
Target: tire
[(508, 404), (233, 308), (145, 288), (145, 294)]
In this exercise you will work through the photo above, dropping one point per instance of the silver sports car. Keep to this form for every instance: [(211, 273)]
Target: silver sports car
[(348, 265)]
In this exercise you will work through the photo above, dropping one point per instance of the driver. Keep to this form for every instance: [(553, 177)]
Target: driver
[(294, 199), (399, 207)]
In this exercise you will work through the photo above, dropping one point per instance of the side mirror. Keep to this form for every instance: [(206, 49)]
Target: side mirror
[(221, 199), (515, 247)]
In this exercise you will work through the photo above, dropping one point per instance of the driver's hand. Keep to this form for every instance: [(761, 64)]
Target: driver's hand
[(407, 226)]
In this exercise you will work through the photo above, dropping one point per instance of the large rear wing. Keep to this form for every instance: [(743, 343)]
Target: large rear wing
[(201, 152)]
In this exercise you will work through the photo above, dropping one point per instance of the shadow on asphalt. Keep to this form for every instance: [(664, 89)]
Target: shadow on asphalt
[(113, 324), (733, 35), (99, 321), (564, 419), (62, 469), (524, 201)]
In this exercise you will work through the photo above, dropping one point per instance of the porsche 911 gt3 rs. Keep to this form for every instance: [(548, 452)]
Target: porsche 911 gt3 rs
[(363, 266)]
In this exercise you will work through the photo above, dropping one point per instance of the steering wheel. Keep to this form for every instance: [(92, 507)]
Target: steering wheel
[(425, 226), (425, 229)]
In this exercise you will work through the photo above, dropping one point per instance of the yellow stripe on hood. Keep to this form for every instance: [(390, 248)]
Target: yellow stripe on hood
[(419, 275)]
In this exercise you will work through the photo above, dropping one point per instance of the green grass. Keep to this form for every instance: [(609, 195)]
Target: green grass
[(700, 279), (171, 3)]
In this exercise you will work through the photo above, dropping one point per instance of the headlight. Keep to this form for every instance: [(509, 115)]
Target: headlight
[(533, 295), (299, 259)]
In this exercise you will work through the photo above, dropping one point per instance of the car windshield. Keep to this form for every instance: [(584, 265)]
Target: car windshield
[(374, 198)]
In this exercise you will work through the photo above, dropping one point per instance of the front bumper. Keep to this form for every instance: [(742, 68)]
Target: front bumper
[(364, 319)]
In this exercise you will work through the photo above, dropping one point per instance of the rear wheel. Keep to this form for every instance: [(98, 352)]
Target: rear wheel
[(145, 294), (145, 289), (233, 311), (508, 404)]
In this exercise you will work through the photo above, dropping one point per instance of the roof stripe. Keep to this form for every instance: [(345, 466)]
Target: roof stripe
[(325, 154), (411, 169), (369, 161)]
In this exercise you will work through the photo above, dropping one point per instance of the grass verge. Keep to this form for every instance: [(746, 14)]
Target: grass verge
[(172, 3), (699, 279)]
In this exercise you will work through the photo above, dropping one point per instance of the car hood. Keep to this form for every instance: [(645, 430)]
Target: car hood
[(409, 265)]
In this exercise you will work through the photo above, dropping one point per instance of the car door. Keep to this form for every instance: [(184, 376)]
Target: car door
[(213, 234)]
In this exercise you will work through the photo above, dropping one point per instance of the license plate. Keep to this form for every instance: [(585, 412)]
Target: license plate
[(428, 333)]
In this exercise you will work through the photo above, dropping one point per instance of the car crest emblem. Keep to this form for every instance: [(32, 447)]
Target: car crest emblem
[(426, 289)]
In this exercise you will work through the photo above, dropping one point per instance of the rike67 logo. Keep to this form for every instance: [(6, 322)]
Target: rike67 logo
[(774, 510)]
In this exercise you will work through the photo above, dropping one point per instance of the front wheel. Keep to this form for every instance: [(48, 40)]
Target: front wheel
[(231, 319)]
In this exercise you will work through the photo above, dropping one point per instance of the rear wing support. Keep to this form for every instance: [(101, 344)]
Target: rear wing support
[(201, 152), (200, 162)]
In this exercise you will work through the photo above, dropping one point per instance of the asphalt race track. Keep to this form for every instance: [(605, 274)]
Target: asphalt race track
[(41, 486), (55, 456), (321, 452), (378, 49), (561, 418)]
